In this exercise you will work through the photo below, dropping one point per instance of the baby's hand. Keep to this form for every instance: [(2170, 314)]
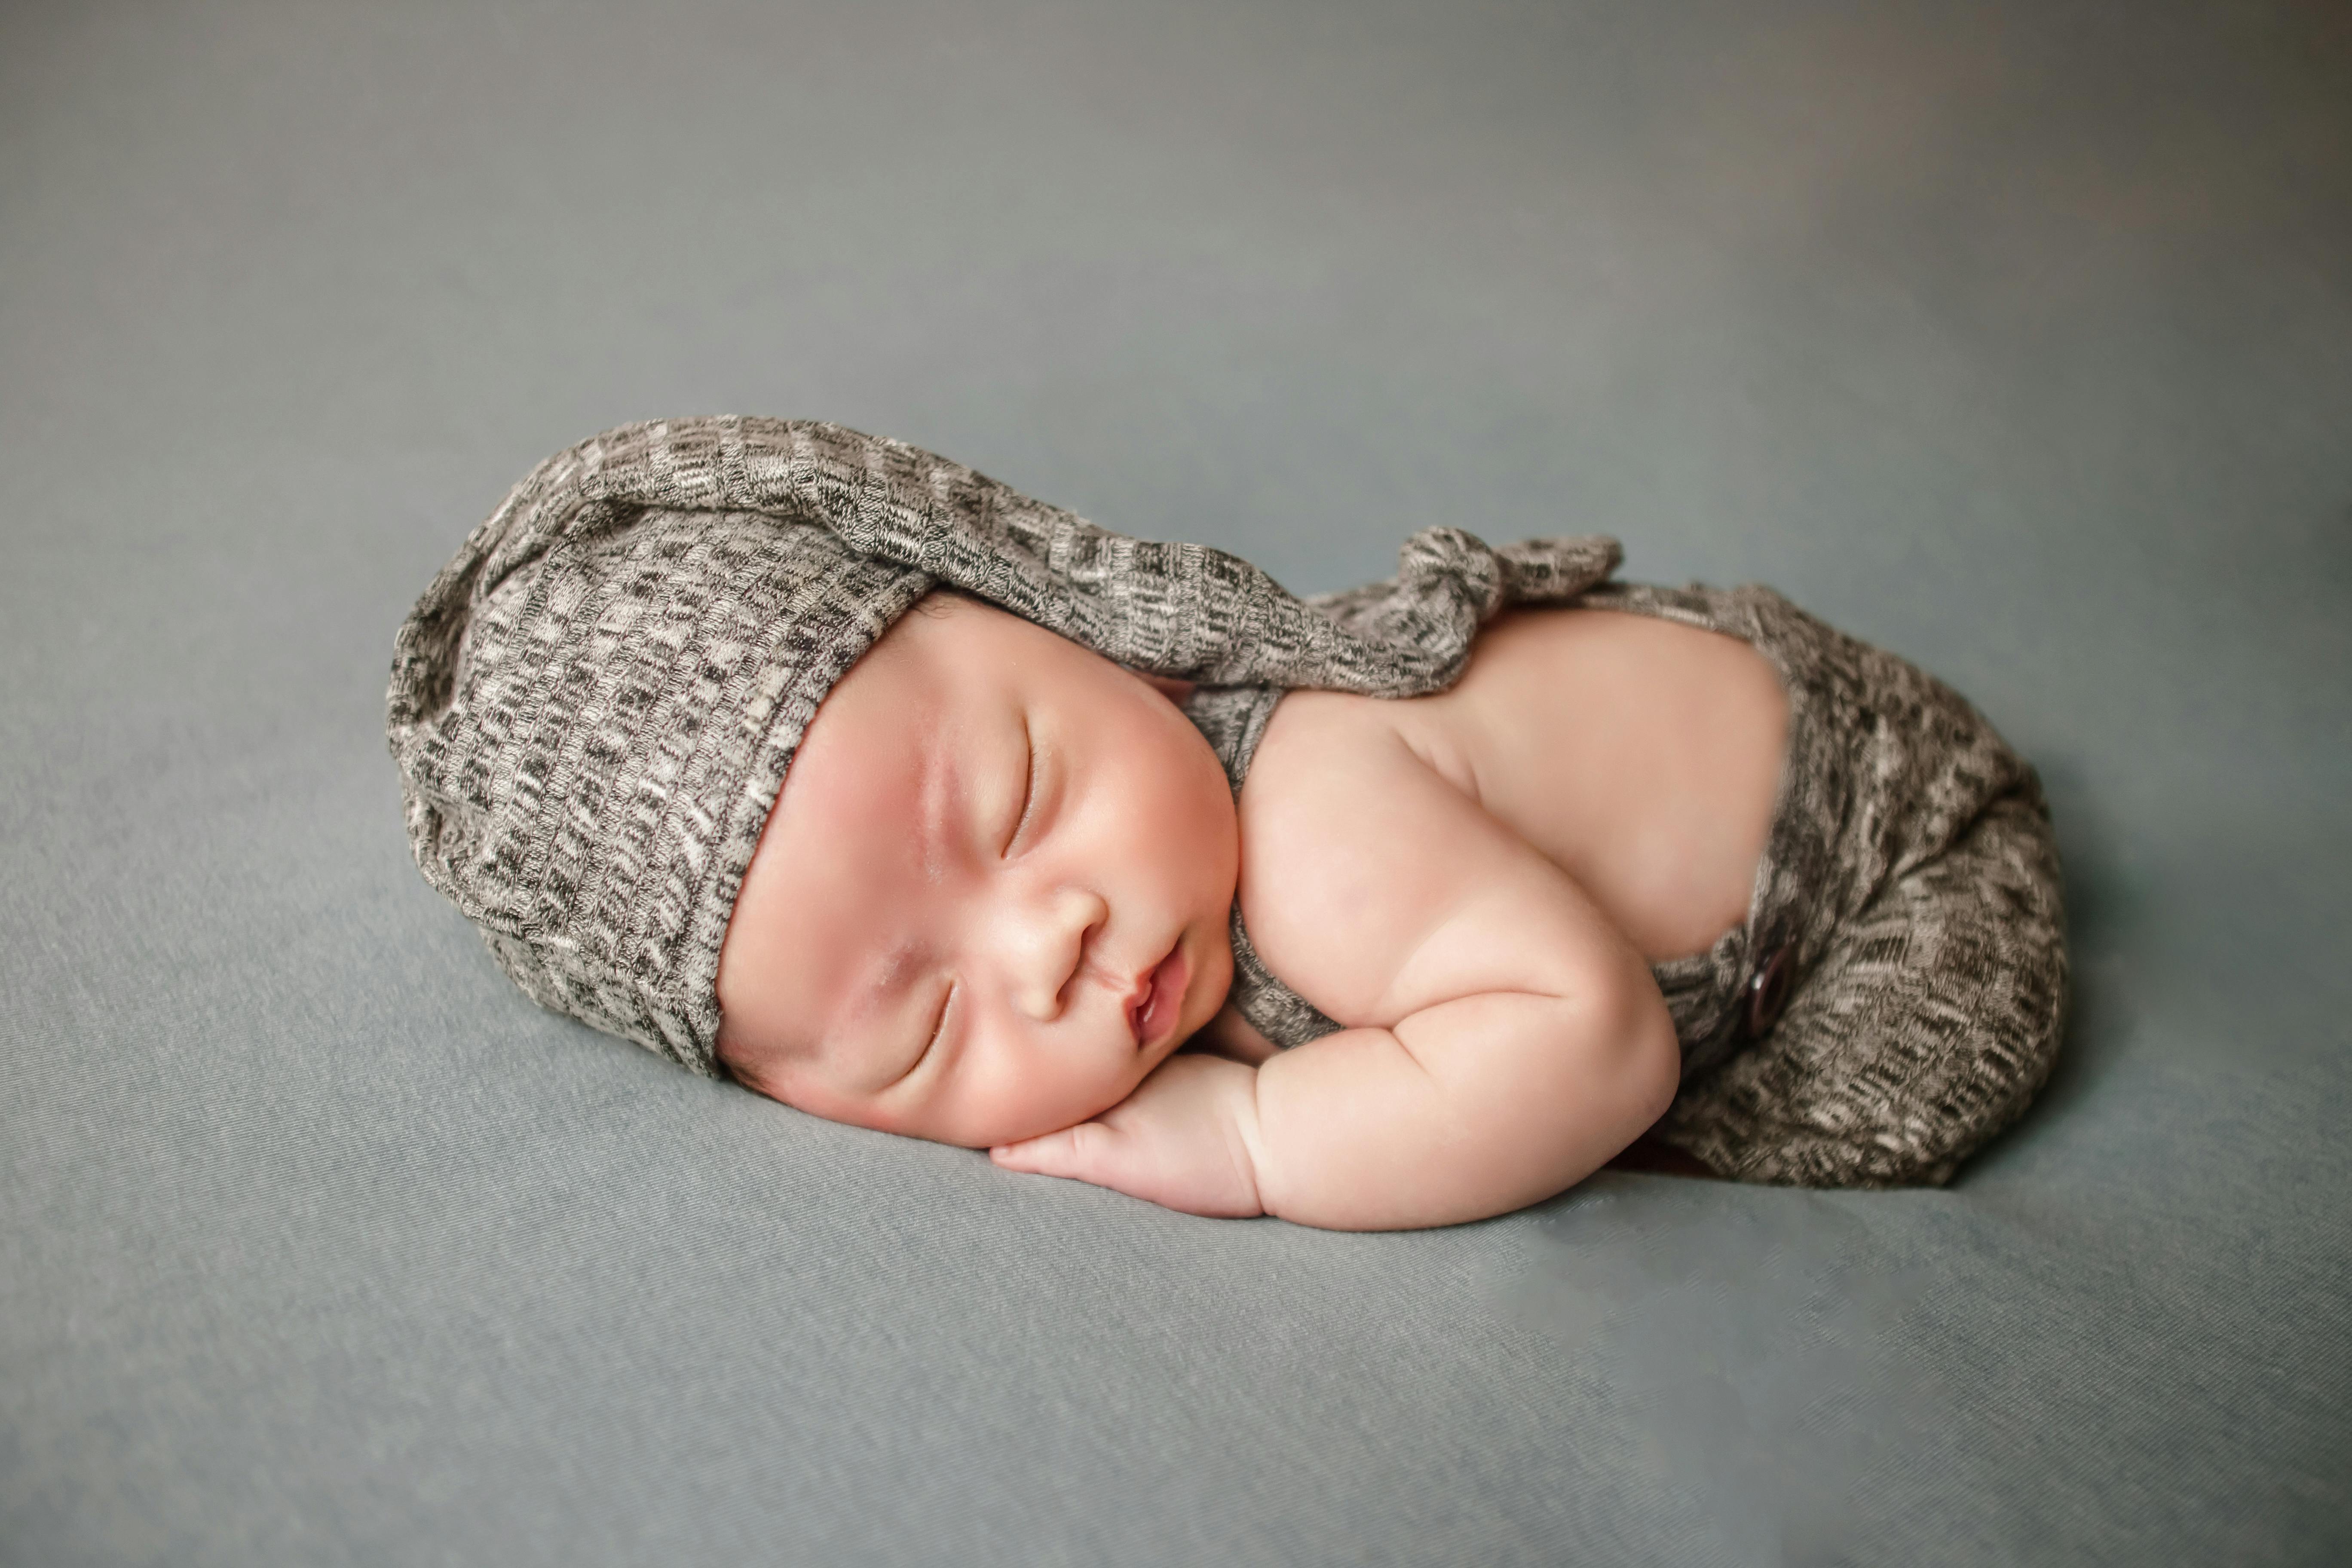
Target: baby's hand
[(1185, 1138)]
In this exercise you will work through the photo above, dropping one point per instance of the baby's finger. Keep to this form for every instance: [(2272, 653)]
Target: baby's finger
[(1052, 1154)]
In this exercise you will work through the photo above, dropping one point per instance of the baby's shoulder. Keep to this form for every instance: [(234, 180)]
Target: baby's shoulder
[(1327, 759), (1350, 836)]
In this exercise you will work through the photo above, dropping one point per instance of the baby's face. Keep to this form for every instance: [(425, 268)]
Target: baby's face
[(993, 894)]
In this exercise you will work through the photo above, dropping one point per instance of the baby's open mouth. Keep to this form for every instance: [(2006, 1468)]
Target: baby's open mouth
[(1159, 999)]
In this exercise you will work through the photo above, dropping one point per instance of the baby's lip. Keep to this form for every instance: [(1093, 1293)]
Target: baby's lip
[(1157, 999)]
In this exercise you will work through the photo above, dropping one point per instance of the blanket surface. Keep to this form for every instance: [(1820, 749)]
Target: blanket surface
[(2016, 340)]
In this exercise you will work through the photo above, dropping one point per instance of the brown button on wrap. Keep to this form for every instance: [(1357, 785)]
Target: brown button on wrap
[(1767, 993)]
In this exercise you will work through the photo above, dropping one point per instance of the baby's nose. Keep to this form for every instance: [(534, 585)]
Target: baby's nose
[(1049, 935)]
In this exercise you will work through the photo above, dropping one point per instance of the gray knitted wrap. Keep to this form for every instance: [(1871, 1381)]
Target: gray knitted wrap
[(594, 704)]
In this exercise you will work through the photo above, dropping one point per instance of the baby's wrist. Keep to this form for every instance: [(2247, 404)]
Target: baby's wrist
[(1235, 1037), (1237, 1112)]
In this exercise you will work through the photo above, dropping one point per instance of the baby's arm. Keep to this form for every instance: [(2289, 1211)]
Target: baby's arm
[(1514, 1039)]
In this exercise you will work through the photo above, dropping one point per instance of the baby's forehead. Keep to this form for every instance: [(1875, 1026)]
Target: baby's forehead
[(940, 717), (909, 728)]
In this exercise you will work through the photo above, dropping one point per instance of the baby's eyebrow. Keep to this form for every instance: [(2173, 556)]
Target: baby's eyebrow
[(876, 1003), (889, 972), (883, 1006), (938, 792)]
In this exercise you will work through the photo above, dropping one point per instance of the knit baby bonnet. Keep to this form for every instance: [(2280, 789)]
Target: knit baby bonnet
[(594, 704)]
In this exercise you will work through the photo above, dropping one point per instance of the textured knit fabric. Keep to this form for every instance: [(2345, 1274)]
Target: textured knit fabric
[(1909, 881), (594, 703)]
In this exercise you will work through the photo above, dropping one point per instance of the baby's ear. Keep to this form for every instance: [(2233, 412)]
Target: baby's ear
[(1168, 685)]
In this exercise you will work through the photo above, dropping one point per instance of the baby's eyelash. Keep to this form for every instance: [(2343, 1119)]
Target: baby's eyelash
[(939, 1028), (1028, 786)]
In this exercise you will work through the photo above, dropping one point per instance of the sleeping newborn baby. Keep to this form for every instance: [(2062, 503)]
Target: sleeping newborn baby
[(993, 902), (819, 762)]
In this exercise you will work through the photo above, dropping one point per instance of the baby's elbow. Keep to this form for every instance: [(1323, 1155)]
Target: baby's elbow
[(1661, 1075), (1644, 1060)]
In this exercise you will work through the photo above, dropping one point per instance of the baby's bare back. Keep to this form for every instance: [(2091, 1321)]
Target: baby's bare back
[(1642, 757)]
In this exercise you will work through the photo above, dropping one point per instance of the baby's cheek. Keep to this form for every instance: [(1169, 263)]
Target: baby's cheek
[(1064, 1097), (1051, 1091)]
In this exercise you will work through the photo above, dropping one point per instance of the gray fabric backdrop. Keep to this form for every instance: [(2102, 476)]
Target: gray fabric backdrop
[(2017, 338)]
